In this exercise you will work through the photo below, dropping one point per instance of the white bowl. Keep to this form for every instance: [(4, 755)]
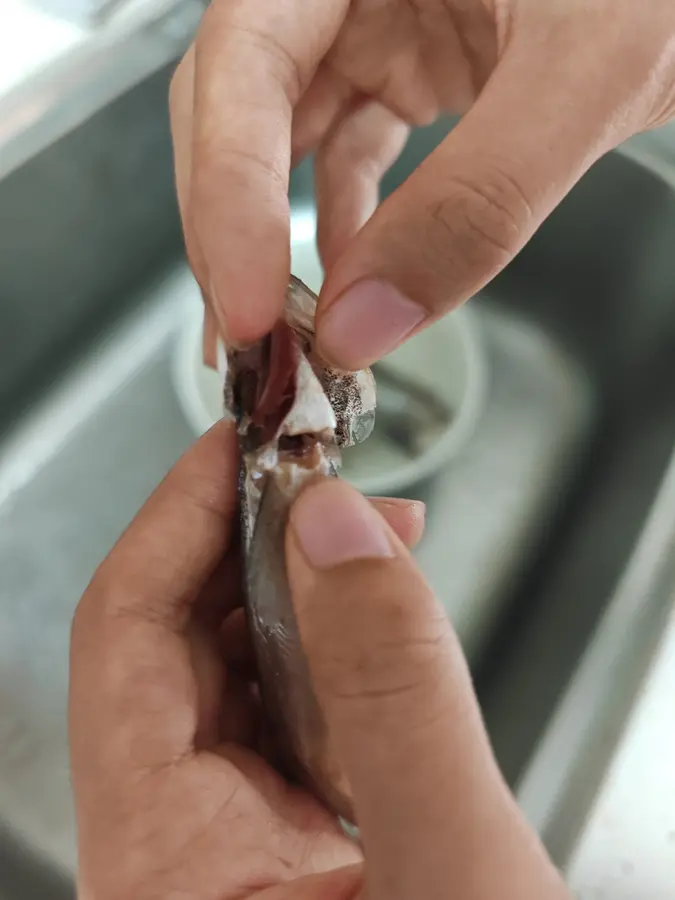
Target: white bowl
[(447, 358)]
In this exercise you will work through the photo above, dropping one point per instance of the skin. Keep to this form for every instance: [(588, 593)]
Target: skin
[(174, 793), (545, 87)]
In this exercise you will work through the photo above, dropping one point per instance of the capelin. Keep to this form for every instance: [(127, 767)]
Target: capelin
[(281, 387), (293, 414)]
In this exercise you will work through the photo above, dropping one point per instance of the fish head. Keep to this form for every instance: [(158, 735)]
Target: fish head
[(352, 395)]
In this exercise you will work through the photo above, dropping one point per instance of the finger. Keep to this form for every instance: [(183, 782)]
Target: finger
[(254, 61), (181, 98), (402, 716), (340, 884), (237, 645), (474, 203), (134, 699), (404, 517), (181, 101), (178, 539), (327, 99), (239, 719), (295, 832), (350, 162), (210, 684), (210, 337)]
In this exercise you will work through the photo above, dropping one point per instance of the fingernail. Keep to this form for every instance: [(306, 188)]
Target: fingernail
[(400, 503), (217, 308), (368, 321), (334, 524)]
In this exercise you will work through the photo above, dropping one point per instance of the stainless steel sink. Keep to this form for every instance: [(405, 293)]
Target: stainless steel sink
[(93, 291)]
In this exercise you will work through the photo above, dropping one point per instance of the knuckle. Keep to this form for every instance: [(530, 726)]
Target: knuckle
[(281, 63), (104, 596), (399, 665), (484, 218), (367, 143), (223, 158)]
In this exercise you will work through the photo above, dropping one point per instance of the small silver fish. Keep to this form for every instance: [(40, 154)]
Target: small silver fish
[(294, 415)]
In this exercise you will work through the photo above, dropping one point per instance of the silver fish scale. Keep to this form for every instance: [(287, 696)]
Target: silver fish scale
[(344, 394)]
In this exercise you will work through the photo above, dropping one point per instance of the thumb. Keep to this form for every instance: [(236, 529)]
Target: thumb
[(473, 204), (402, 717)]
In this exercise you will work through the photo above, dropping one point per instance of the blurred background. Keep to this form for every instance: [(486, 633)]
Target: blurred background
[(547, 409)]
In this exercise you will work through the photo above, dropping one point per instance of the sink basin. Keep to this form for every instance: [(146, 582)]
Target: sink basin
[(94, 292)]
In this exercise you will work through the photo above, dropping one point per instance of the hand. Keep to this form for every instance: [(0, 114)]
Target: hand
[(548, 86), (173, 801)]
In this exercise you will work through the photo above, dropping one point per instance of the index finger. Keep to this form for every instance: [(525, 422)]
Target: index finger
[(132, 689), (474, 203), (254, 60)]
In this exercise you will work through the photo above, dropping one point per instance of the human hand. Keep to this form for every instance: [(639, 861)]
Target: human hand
[(547, 87), (172, 799)]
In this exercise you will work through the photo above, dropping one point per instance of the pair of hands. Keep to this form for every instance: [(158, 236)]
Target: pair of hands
[(175, 796), (546, 87)]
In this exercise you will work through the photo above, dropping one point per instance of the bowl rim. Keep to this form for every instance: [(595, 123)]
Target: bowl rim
[(187, 353)]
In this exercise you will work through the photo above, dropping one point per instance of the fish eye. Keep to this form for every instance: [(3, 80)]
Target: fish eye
[(362, 427)]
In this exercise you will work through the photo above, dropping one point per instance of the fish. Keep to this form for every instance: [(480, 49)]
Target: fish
[(294, 416)]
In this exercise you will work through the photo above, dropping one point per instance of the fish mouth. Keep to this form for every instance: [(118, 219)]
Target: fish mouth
[(278, 399), (264, 386), (283, 395)]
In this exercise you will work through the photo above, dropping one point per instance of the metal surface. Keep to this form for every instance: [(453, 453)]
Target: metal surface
[(103, 64), (81, 226), (564, 780), (71, 477), (571, 608), (488, 512), (626, 849)]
